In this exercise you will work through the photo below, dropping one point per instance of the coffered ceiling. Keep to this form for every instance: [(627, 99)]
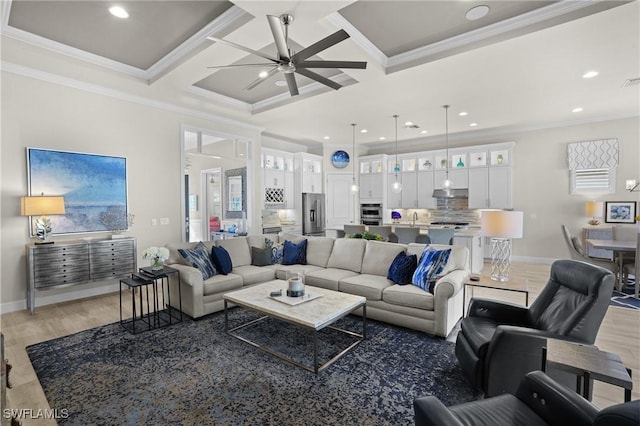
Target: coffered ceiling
[(519, 66)]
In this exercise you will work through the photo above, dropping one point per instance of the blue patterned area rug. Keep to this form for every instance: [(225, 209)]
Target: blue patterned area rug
[(625, 298), (193, 373)]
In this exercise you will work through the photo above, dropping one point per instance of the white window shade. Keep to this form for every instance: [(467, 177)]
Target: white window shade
[(600, 154)]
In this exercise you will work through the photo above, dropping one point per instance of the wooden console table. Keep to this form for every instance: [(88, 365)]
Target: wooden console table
[(74, 262)]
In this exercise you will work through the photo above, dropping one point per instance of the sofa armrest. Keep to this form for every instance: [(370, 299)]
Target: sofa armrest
[(191, 281), (429, 411), (555, 403), (501, 312), (450, 284)]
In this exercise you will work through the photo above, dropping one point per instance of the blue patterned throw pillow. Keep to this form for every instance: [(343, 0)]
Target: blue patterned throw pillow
[(430, 266), (277, 250), (221, 260), (402, 268), (295, 254), (199, 258)]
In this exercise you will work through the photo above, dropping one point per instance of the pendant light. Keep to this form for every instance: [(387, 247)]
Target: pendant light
[(397, 185), (446, 185), (354, 185)]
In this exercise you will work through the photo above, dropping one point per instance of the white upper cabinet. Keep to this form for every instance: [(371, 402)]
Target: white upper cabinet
[(372, 178)]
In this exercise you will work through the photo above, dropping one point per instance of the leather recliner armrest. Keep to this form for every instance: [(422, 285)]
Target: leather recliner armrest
[(501, 312), (514, 352), (430, 411), (555, 403)]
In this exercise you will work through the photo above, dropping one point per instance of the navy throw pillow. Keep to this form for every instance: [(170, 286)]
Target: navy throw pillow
[(295, 254), (199, 258), (430, 266), (402, 268), (221, 259)]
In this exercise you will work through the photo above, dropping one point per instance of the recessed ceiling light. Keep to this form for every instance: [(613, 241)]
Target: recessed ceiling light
[(119, 12), (409, 123), (382, 138), (363, 131), (477, 12), (326, 138), (473, 124), (577, 109), (463, 113), (280, 83), (590, 74), (263, 74), (424, 132)]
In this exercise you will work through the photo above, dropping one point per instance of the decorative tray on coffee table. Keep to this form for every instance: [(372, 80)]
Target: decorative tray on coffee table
[(292, 301)]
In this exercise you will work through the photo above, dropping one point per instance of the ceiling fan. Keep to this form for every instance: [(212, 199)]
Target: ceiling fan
[(288, 62)]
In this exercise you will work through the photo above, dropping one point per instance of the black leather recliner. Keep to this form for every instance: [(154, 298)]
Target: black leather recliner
[(539, 400), (500, 342)]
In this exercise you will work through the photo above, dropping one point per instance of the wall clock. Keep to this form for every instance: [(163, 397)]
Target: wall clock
[(340, 159)]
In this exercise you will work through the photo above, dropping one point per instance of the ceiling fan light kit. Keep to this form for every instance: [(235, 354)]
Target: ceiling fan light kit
[(289, 63)]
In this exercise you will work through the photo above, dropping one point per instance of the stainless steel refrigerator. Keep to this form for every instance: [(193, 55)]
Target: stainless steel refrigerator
[(313, 214)]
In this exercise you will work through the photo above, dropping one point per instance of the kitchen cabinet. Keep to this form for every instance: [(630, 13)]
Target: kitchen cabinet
[(479, 188), (500, 188), (474, 242), (372, 178), (394, 200), (459, 178), (424, 190), (278, 179), (308, 169)]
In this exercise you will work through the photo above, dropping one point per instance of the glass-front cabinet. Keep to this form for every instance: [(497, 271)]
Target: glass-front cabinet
[(372, 177)]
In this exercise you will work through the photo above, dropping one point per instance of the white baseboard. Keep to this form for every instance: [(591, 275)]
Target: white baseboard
[(42, 299)]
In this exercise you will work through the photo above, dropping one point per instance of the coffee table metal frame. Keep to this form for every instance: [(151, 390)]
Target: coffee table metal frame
[(316, 368)]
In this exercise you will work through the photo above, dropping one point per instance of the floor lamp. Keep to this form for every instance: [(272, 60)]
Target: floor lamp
[(501, 226)]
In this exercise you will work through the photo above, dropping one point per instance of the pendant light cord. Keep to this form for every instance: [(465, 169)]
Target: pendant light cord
[(446, 133), (353, 125), (397, 166)]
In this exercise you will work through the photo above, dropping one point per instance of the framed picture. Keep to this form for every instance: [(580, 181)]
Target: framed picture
[(94, 188), (620, 212)]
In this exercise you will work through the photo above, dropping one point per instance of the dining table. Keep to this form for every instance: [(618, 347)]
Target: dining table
[(619, 248)]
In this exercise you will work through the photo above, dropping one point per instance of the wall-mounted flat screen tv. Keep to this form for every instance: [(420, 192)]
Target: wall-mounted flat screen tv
[(94, 188)]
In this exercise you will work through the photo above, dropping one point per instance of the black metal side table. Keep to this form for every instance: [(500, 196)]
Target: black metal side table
[(166, 314), (137, 314)]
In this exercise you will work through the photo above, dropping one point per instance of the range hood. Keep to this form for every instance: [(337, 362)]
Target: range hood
[(452, 193)]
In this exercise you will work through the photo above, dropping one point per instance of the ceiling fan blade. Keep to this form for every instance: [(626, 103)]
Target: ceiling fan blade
[(259, 80), (319, 46), (242, 65), (332, 64), (293, 85), (246, 49), (279, 36), (317, 77)]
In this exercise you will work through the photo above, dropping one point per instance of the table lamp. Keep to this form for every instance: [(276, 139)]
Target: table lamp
[(501, 226), (41, 206), (593, 209)]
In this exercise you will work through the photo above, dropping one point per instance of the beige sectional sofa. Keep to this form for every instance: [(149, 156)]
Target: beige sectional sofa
[(352, 266)]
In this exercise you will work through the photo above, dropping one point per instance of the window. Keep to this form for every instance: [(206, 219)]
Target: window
[(593, 181)]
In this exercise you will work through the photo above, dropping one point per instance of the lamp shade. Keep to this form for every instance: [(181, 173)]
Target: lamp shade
[(41, 205), (501, 223), (593, 208)]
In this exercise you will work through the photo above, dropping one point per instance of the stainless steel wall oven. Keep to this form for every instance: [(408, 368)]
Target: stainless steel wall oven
[(371, 214)]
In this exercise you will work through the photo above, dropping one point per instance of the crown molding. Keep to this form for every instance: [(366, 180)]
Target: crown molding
[(121, 95), (358, 38)]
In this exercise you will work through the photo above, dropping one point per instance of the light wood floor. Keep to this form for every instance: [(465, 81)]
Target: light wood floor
[(619, 333)]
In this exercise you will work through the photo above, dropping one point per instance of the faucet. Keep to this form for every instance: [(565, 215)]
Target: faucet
[(415, 217)]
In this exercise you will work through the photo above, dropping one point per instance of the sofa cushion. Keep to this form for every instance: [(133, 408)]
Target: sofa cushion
[(410, 296), (174, 254), (199, 258), (319, 250), (430, 266), (254, 274), (261, 256), (295, 254), (378, 257), (238, 249), (347, 254), (402, 268), (327, 278), (221, 260), (222, 284), (282, 270), (367, 285)]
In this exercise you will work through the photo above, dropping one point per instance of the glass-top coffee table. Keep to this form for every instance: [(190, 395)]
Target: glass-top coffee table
[(323, 308)]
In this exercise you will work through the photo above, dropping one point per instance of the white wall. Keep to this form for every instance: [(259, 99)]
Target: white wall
[(40, 114)]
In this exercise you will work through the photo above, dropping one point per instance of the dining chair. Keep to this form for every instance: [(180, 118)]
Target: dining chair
[(353, 229), (441, 235), (383, 231), (577, 252), (407, 235)]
